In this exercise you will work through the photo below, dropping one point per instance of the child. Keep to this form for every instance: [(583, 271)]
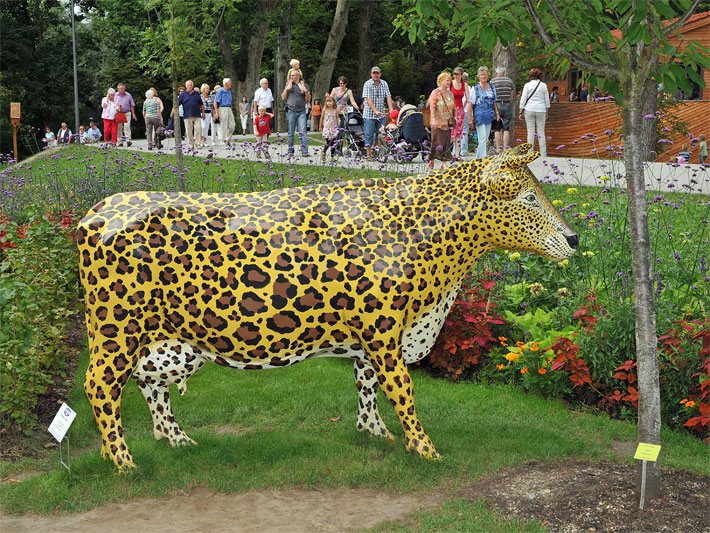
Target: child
[(683, 155), (702, 150), (49, 138), (329, 126), (262, 128), (295, 67), (82, 135), (93, 134)]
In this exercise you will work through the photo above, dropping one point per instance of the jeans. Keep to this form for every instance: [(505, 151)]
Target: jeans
[(464, 137), (372, 129), (535, 122), (297, 120), (483, 131)]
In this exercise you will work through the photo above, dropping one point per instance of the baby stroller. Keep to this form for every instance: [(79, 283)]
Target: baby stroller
[(355, 134), (408, 139)]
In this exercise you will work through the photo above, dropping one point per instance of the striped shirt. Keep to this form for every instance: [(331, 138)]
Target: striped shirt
[(504, 88)]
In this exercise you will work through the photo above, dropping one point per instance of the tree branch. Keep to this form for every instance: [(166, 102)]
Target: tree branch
[(578, 59), (680, 22)]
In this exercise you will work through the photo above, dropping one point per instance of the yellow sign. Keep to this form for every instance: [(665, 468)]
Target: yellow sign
[(647, 452)]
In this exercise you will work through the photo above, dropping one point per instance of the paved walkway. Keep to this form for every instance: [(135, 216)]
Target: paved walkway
[(661, 177)]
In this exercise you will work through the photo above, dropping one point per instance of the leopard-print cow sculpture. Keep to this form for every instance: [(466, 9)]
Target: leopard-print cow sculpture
[(365, 270)]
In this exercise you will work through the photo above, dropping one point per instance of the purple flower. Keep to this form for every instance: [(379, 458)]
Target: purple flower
[(560, 147), (650, 116)]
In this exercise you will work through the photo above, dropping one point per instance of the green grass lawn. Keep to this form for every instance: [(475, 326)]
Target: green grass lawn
[(294, 427)]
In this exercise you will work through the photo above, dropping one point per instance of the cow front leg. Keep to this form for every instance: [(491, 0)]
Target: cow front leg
[(167, 362), (396, 383), (108, 371), (368, 417)]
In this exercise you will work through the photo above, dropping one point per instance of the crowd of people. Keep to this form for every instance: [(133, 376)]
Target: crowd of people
[(455, 106)]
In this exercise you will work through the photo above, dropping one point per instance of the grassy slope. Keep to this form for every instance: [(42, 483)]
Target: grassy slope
[(288, 439)]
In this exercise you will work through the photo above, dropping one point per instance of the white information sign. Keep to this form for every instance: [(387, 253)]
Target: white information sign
[(62, 420)]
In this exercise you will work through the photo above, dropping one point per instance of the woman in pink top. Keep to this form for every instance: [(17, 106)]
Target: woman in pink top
[(108, 114), (459, 89)]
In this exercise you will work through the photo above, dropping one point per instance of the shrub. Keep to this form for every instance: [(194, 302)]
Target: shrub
[(468, 332), (38, 292)]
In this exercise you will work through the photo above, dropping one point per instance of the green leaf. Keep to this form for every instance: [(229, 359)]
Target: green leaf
[(488, 37)]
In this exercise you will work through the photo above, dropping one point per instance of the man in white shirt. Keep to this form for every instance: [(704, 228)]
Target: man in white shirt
[(263, 98)]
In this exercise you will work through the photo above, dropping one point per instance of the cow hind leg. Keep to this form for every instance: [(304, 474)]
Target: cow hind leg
[(368, 416), (166, 363)]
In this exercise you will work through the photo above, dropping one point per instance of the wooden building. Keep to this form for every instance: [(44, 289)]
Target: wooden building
[(593, 129)]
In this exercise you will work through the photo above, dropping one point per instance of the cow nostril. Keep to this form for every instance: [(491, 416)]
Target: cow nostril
[(573, 241)]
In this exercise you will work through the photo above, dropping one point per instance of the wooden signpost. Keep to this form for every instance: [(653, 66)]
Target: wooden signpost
[(15, 115)]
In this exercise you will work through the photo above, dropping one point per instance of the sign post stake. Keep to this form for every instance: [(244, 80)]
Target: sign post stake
[(644, 453), (66, 464), (59, 428)]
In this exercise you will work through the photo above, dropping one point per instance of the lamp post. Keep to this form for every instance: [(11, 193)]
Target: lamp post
[(76, 79)]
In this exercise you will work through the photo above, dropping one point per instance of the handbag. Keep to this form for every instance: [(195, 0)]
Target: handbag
[(121, 118)]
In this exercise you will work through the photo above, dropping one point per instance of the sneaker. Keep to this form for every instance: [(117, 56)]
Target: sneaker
[(305, 154), (119, 144), (129, 143)]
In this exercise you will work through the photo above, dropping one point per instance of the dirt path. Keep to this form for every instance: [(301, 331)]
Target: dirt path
[(200, 509)]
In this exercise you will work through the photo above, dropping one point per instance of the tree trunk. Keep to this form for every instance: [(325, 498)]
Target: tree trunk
[(506, 57), (255, 51), (649, 133), (321, 84), (225, 47), (364, 47), (635, 88)]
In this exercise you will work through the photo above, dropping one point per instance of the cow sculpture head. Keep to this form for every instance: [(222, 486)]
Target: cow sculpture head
[(519, 216)]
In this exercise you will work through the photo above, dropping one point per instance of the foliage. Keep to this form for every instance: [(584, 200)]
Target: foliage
[(36, 298), (468, 332)]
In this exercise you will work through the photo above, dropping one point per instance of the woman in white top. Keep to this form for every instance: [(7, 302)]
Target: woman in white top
[(535, 101)]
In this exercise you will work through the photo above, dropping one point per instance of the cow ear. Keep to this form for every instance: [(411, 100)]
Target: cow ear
[(521, 149), (505, 176), (523, 159)]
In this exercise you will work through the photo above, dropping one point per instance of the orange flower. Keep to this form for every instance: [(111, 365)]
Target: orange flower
[(535, 346), (690, 404), (500, 366), (520, 344), (683, 401), (542, 371), (503, 341), (512, 356), (524, 370)]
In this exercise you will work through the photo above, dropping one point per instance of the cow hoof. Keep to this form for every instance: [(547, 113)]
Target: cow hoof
[(181, 440), (424, 448)]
